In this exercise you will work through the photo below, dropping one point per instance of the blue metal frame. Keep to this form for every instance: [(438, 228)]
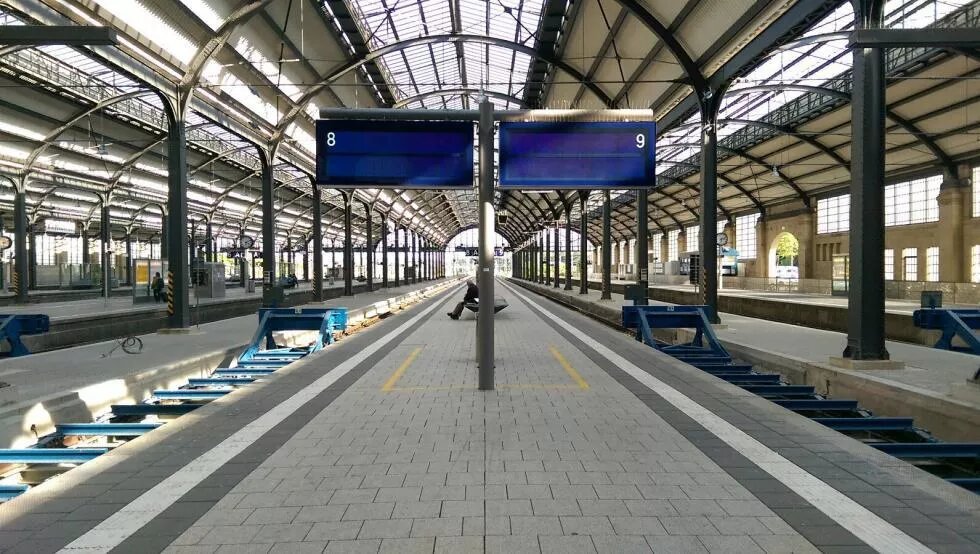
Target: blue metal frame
[(137, 410), (953, 323), (191, 394), (14, 326), (49, 455), (647, 318), (819, 405), (325, 320), (867, 423), (924, 450), (8, 492), (219, 381), (105, 429)]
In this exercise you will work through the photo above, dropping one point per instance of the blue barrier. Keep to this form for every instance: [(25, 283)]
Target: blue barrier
[(953, 323), (105, 429), (13, 327), (647, 318), (326, 321)]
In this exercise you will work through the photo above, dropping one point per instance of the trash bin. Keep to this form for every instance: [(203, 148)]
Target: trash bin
[(250, 285), (931, 299)]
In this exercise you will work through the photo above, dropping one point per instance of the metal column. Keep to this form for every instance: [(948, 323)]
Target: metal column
[(243, 272), (484, 342), (85, 247), (164, 238), (209, 245), (642, 241), (106, 234), (317, 244), (542, 256), (606, 247), (415, 258), (348, 245), (583, 266), (397, 280), (384, 251), (20, 279), (370, 247), (268, 220), (866, 296), (709, 203), (546, 259), (557, 257), (176, 218), (129, 259), (32, 256), (568, 246)]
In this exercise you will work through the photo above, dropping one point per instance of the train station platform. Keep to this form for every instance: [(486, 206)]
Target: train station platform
[(81, 321), (591, 442), (818, 311), (78, 383)]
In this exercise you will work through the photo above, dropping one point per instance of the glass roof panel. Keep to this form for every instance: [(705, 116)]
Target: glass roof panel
[(425, 68)]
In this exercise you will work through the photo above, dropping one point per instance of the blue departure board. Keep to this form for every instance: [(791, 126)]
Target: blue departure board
[(394, 154), (577, 155)]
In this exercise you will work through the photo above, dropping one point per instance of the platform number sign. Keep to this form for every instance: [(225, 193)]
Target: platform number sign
[(577, 155), (394, 154)]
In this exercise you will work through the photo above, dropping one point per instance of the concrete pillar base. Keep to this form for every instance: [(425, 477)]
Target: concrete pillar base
[(847, 363)]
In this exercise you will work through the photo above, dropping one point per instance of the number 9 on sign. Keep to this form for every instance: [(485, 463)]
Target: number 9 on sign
[(641, 140)]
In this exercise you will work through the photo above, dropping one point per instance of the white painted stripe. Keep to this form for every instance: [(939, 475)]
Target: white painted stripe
[(867, 526), (122, 524)]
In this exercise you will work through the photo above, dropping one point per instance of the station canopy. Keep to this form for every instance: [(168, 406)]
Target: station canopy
[(85, 122)]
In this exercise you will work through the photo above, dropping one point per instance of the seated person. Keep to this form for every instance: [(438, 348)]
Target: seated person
[(472, 295)]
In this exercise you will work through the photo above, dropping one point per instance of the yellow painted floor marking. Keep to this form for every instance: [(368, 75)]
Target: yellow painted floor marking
[(390, 383), (569, 369)]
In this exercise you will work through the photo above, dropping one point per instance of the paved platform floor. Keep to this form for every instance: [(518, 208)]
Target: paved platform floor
[(591, 442)]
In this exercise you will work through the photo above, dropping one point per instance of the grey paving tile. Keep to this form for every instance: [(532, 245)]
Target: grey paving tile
[(730, 545), (688, 525), (512, 545), (315, 547), (778, 544), (376, 510), (586, 525), (314, 514), (603, 508), (230, 534), (385, 529), (283, 532), (353, 547), (535, 525), (508, 508), (462, 508), (408, 546), (437, 527), (739, 525), (460, 545), (620, 544), (272, 515), (334, 530), (647, 525), (562, 507), (567, 545), (676, 545)]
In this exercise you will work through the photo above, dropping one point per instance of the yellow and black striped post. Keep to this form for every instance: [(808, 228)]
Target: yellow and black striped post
[(170, 293), (15, 281)]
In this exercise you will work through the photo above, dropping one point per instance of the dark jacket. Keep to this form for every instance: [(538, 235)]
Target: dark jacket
[(472, 293)]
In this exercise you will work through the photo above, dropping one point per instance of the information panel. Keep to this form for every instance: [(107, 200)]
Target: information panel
[(578, 155), (394, 154)]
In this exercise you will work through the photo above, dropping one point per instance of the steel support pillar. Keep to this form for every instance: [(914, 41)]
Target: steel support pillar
[(557, 257), (606, 247), (32, 256), (396, 245), (709, 203), (268, 220), (19, 278), (542, 256), (243, 272), (369, 229), (85, 247), (642, 239), (178, 307), (484, 327), (317, 244), (105, 230), (164, 238), (568, 246), (415, 259), (348, 244), (209, 245), (384, 251), (547, 258), (866, 293), (129, 259), (583, 247)]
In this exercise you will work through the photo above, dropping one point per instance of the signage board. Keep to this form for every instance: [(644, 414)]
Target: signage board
[(577, 155), (394, 154)]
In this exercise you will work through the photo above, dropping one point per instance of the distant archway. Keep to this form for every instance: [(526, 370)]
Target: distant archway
[(784, 257), (461, 261)]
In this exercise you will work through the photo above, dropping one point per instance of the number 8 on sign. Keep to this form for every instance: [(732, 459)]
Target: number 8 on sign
[(331, 139)]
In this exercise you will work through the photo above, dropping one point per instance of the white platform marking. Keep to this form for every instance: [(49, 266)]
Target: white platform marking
[(866, 525), (122, 524)]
